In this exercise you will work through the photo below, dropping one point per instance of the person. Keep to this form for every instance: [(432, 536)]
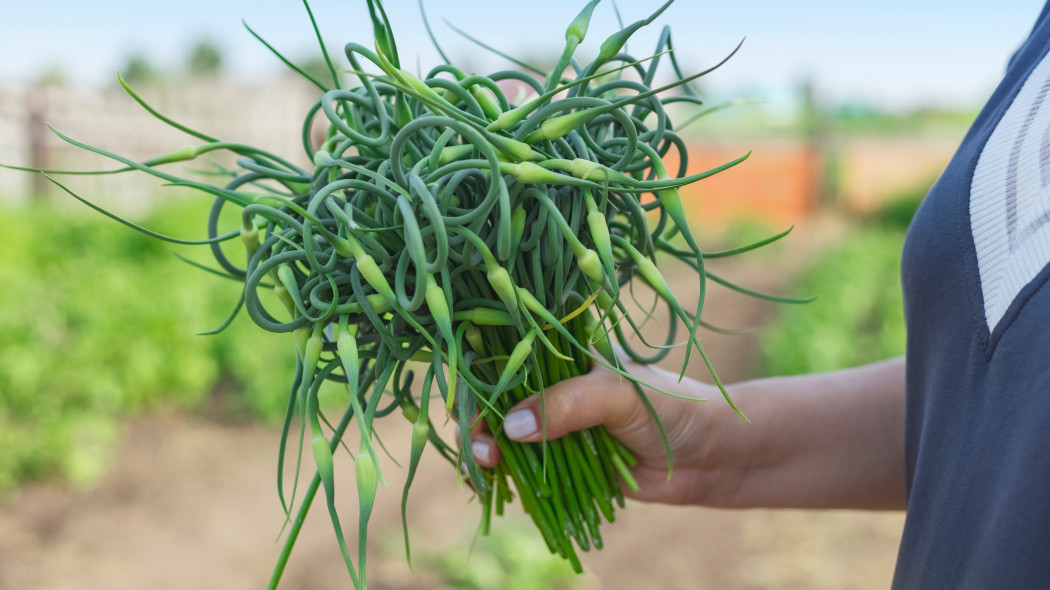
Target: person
[(957, 432)]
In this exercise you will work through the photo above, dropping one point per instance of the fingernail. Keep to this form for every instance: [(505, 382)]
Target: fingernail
[(520, 424), (481, 451)]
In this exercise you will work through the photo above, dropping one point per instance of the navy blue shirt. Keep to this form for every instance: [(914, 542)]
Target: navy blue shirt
[(977, 304)]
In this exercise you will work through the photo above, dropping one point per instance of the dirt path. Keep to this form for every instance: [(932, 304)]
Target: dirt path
[(191, 503)]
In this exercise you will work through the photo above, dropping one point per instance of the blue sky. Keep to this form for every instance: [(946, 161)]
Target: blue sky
[(894, 53)]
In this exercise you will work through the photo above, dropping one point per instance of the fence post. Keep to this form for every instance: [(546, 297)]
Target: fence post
[(36, 103), (816, 128)]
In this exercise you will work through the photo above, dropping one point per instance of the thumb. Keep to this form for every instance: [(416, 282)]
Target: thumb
[(599, 397)]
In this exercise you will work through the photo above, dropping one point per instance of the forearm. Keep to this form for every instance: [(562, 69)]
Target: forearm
[(831, 440)]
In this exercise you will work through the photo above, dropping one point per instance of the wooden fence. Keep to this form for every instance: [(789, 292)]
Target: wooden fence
[(782, 182), (267, 116)]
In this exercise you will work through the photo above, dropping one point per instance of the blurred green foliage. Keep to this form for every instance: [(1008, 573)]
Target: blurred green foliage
[(860, 118), (899, 210), (858, 317), (205, 59), (139, 70), (100, 321), (510, 557)]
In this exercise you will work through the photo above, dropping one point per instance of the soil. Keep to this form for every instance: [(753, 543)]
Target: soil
[(190, 502)]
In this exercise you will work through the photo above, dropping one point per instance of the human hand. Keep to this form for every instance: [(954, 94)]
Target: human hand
[(827, 440), (706, 470)]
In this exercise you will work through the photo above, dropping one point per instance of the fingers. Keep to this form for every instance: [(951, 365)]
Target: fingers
[(482, 446), (599, 397), (484, 449)]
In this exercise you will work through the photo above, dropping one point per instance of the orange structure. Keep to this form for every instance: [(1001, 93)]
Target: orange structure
[(779, 184)]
